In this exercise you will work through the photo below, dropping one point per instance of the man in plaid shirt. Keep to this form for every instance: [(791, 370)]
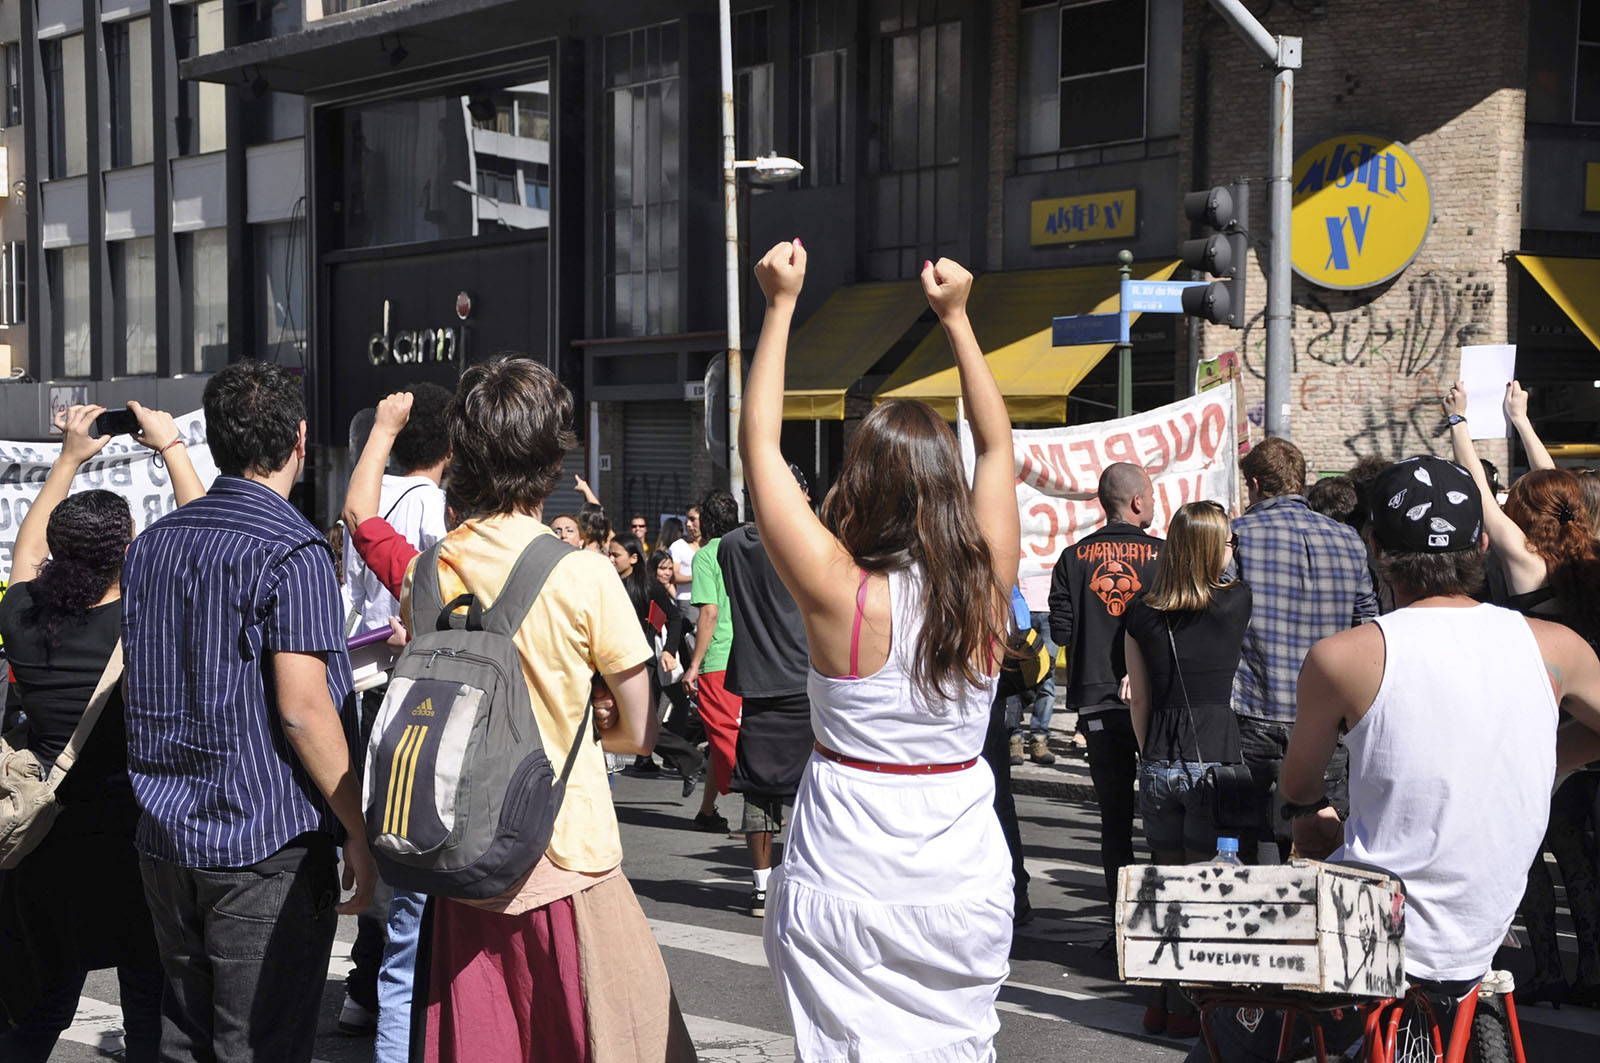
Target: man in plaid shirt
[(1309, 578)]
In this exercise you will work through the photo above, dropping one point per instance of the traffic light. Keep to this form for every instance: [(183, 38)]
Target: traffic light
[(1222, 254)]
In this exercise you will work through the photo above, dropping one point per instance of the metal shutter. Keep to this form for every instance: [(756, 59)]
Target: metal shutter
[(656, 447)]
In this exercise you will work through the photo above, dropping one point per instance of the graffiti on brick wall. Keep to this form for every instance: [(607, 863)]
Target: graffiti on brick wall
[(1378, 366)]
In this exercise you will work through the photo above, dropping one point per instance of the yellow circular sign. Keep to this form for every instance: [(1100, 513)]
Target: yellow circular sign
[(1362, 208)]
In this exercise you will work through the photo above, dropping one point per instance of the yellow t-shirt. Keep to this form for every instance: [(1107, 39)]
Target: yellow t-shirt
[(581, 623)]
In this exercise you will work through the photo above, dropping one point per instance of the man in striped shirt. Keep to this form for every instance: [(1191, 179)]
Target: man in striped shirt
[(236, 680)]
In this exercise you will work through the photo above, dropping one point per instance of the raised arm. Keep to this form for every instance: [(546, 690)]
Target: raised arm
[(362, 499), (994, 485), (1504, 535), (30, 551), (159, 432), (1516, 407), (582, 487), (802, 550)]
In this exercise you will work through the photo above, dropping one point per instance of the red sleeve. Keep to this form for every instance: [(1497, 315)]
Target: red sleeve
[(387, 553)]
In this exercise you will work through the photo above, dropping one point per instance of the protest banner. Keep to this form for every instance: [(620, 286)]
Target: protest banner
[(124, 467), (1187, 448)]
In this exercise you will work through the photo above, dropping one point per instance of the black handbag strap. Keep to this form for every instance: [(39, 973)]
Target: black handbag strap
[(1188, 710)]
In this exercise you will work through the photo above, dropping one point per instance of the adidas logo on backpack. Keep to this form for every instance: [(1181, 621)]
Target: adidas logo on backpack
[(460, 799)]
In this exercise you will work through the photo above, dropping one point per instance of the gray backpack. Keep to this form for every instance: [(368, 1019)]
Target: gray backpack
[(460, 798)]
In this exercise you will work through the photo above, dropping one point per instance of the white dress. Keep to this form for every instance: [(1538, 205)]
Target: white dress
[(889, 924)]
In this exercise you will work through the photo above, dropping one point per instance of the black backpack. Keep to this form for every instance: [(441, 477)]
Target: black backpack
[(459, 797)]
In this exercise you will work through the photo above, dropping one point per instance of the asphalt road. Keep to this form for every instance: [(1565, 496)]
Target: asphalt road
[(1063, 1000)]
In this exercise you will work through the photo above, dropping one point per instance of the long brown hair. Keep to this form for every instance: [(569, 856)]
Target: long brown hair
[(1189, 571), (1547, 504), (902, 499)]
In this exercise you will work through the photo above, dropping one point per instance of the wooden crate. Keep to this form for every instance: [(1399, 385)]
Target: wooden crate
[(1306, 925)]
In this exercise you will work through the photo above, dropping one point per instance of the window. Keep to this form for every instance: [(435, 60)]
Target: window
[(13, 284), (201, 121), (448, 166), (280, 292), (128, 91), (914, 195), (64, 106), (1586, 79), (752, 84), (1081, 75), (640, 238), (203, 277), (12, 111), (68, 270), (825, 33), (133, 305)]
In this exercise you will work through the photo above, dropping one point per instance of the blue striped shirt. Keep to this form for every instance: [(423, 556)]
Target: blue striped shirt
[(208, 591), (1309, 579)]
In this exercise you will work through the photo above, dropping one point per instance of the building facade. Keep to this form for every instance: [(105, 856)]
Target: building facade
[(384, 192)]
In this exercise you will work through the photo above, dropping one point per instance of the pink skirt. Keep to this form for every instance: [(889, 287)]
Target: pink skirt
[(579, 980)]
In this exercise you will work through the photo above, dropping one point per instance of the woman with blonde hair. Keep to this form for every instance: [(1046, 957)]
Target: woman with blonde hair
[(889, 923), (1183, 639)]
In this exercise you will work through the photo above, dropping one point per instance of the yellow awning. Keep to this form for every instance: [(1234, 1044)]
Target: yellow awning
[(841, 341), (1574, 283), (1011, 315)]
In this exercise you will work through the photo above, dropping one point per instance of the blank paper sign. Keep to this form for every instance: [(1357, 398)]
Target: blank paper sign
[(1486, 369)]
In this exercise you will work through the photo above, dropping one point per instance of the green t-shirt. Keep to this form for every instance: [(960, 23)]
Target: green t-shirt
[(707, 589)]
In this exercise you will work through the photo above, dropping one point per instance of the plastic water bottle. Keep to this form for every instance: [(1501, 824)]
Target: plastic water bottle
[(1228, 852)]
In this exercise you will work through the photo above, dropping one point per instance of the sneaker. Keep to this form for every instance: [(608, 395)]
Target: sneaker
[(1016, 749), (758, 903), (645, 765), (1039, 750), (710, 822), (355, 1020)]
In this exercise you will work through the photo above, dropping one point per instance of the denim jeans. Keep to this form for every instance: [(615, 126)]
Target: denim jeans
[(1042, 699), (1263, 744), (246, 954), (398, 977), (1173, 819)]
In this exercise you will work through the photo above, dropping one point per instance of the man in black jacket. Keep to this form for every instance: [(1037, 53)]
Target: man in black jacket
[(1093, 582)]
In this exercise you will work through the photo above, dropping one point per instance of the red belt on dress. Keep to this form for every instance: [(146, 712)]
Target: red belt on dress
[(892, 769)]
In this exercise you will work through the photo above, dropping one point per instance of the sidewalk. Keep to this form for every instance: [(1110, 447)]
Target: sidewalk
[(1068, 778)]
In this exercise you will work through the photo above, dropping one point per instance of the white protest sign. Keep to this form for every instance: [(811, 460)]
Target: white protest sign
[(124, 467), (1486, 369), (1189, 448)]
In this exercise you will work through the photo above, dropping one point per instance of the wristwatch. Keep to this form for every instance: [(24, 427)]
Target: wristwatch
[(1455, 419), (1294, 811)]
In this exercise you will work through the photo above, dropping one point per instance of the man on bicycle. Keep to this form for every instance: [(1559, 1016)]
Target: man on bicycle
[(1449, 708)]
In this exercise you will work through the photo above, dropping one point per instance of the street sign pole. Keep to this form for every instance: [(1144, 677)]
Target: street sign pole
[(1125, 346)]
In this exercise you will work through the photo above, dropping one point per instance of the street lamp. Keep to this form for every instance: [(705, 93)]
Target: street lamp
[(766, 170)]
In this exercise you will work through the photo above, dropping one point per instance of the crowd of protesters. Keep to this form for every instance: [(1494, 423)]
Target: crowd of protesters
[(841, 668)]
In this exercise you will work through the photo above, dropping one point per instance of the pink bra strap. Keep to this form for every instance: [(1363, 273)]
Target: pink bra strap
[(855, 628)]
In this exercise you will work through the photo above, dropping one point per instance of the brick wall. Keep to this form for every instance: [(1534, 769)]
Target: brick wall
[(1446, 79)]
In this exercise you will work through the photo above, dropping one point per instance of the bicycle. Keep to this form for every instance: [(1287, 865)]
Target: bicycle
[(1405, 1029)]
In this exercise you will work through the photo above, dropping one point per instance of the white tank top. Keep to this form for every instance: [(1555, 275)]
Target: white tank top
[(1450, 777)]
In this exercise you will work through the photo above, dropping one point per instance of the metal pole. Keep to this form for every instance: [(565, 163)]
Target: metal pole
[(1125, 348), (1280, 358), (730, 213), (1283, 53)]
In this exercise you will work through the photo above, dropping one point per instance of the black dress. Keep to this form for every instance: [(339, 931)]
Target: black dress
[(76, 903), (1208, 645)]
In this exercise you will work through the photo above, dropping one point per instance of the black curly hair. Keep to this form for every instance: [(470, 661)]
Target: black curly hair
[(253, 414), (425, 440), (88, 534)]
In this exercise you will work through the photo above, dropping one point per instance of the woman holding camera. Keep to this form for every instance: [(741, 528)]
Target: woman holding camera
[(76, 904)]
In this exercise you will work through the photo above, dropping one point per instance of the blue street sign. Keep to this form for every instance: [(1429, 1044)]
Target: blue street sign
[(1080, 329), (1155, 297)]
